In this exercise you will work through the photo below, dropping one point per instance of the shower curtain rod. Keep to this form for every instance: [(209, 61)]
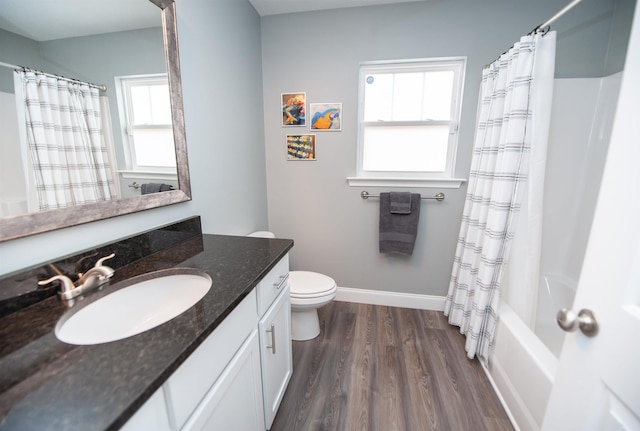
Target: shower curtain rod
[(543, 28), (100, 87), (553, 19)]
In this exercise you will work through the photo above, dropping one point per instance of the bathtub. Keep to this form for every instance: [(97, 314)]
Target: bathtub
[(522, 369)]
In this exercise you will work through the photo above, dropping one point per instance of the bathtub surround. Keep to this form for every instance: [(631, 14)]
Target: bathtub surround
[(582, 115)]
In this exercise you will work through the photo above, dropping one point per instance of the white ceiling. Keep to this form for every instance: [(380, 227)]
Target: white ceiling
[(275, 7), (34, 18)]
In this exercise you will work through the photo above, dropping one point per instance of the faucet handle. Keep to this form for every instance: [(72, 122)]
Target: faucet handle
[(101, 260), (66, 284)]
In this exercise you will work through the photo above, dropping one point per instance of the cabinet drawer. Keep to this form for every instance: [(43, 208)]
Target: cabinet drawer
[(272, 284), (189, 384)]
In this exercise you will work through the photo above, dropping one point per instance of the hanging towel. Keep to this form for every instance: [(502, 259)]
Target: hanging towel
[(400, 203), (147, 188), (397, 231)]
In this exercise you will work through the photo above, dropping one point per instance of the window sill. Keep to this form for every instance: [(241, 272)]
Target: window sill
[(149, 175), (440, 183)]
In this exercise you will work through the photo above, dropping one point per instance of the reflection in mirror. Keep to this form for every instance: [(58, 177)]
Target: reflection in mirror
[(141, 159)]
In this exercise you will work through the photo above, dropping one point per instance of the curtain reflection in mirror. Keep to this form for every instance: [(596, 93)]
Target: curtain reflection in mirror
[(67, 161)]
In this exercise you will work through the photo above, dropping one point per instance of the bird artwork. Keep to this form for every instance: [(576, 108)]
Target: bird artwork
[(293, 111), (324, 119)]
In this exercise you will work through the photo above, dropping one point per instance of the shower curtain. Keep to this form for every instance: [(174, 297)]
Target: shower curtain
[(61, 134), (510, 122)]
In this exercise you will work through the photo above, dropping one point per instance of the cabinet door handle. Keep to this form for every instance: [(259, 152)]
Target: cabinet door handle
[(273, 338), (278, 284)]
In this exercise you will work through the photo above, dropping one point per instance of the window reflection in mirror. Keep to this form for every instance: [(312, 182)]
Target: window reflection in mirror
[(144, 106)]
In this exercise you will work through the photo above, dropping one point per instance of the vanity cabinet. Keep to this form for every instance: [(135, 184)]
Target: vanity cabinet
[(236, 378), (275, 338)]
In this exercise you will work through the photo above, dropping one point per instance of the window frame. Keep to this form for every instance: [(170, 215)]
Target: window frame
[(407, 178), (123, 86)]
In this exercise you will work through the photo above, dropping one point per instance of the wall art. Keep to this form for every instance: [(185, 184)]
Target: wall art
[(294, 107), (301, 147), (326, 116)]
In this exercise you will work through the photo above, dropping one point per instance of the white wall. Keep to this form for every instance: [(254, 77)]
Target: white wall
[(221, 71)]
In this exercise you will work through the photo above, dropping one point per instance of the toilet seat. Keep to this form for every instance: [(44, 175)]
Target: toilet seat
[(309, 285)]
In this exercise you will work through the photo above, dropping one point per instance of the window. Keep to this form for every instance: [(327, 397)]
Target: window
[(408, 121), (146, 118)]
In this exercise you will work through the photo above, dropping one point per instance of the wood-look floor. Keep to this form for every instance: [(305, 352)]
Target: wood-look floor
[(376, 368)]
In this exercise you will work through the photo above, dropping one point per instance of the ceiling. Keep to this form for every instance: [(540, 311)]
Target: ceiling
[(275, 7), (34, 18), (47, 20)]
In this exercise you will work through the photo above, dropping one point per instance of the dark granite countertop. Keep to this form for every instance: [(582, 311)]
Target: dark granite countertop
[(46, 384)]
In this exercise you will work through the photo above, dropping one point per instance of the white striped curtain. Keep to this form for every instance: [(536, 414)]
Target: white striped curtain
[(499, 167), (63, 129)]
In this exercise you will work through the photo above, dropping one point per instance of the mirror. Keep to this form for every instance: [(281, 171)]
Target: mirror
[(20, 225)]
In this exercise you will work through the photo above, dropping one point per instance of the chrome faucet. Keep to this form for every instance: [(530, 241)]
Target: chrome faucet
[(93, 278)]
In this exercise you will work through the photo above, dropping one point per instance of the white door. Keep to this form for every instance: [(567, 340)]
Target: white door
[(597, 386)]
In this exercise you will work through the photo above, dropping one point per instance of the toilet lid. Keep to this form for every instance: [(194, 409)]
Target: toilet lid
[(306, 283)]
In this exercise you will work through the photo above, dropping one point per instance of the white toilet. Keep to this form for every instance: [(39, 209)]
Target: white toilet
[(309, 291)]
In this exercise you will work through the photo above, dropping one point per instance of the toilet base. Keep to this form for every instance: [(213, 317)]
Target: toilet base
[(304, 324)]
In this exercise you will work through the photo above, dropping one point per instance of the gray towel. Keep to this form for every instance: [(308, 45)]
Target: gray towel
[(154, 188), (398, 231), (400, 203)]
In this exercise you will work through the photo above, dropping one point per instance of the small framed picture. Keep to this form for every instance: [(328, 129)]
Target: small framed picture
[(294, 109), (325, 116), (301, 147)]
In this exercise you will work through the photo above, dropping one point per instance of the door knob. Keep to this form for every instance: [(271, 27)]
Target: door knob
[(569, 321)]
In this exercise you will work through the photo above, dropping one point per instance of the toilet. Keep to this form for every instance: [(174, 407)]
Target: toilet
[(308, 292)]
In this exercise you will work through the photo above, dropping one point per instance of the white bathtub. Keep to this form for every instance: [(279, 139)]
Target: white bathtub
[(523, 363), (522, 369)]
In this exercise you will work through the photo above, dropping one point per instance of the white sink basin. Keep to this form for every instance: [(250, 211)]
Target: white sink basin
[(139, 304)]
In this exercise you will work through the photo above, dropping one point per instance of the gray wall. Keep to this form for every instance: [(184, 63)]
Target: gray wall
[(221, 65), (15, 49), (319, 52), (334, 230)]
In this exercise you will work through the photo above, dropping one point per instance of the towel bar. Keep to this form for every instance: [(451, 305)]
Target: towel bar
[(439, 196)]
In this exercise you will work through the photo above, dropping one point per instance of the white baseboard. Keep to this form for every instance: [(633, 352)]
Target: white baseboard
[(390, 299)]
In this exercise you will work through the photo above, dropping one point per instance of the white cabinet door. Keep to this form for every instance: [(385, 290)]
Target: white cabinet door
[(151, 416), (234, 403), (275, 352)]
